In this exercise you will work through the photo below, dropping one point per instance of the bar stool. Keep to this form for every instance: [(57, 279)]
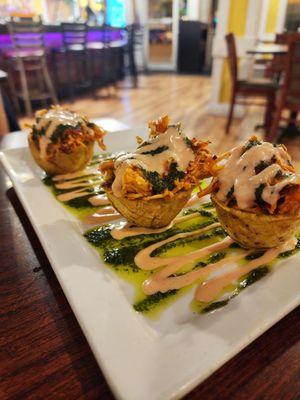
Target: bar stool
[(28, 59), (106, 58), (73, 55), (99, 62), (135, 39)]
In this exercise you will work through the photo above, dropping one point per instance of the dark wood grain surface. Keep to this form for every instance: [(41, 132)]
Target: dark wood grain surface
[(44, 354)]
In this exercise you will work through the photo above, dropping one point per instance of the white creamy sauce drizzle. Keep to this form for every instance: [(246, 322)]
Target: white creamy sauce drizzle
[(239, 171), (209, 290), (99, 200), (194, 199), (43, 143), (159, 281), (80, 181), (88, 182), (144, 260), (55, 117), (107, 214), (177, 151), (163, 280), (50, 121), (74, 175), (271, 193), (74, 194), (127, 230)]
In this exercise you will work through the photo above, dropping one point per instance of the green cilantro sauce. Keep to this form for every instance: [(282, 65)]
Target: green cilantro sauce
[(119, 254), (80, 206)]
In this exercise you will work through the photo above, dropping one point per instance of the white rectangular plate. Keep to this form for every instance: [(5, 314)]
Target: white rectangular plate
[(143, 358)]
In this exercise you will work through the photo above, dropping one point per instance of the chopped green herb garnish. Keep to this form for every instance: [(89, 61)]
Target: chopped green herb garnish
[(60, 130), (36, 133), (145, 143), (262, 165), (80, 202), (253, 277), (251, 143), (96, 236), (216, 257), (214, 306), (151, 301), (160, 184), (289, 253), (207, 205), (254, 255), (188, 142), (48, 180), (204, 213), (230, 192), (158, 150), (258, 194), (235, 245), (184, 242)]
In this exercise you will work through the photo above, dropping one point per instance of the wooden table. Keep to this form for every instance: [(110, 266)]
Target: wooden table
[(269, 48), (44, 354)]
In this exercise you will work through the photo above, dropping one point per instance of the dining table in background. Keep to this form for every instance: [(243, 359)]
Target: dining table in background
[(268, 48), (263, 50), (273, 50), (44, 354)]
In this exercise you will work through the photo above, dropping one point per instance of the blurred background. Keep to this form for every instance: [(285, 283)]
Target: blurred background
[(225, 68)]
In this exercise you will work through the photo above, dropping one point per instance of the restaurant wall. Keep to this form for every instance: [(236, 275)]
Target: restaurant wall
[(22, 8), (59, 11), (272, 18), (199, 10)]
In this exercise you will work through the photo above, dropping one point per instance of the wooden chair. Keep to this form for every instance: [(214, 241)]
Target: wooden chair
[(135, 39), (3, 119), (103, 60), (277, 64), (8, 118), (264, 89), (28, 58), (289, 94)]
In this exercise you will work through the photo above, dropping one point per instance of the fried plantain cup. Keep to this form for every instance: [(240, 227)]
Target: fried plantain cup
[(154, 213), (256, 230), (151, 185), (62, 141), (59, 162)]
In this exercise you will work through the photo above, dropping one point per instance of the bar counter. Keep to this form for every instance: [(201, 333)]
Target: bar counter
[(54, 38)]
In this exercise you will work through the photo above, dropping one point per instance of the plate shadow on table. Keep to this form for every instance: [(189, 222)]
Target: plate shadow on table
[(75, 345)]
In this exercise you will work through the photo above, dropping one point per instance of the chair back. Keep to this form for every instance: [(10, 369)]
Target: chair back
[(232, 57), (281, 38), (291, 80), (27, 33), (284, 38), (278, 62), (74, 34)]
